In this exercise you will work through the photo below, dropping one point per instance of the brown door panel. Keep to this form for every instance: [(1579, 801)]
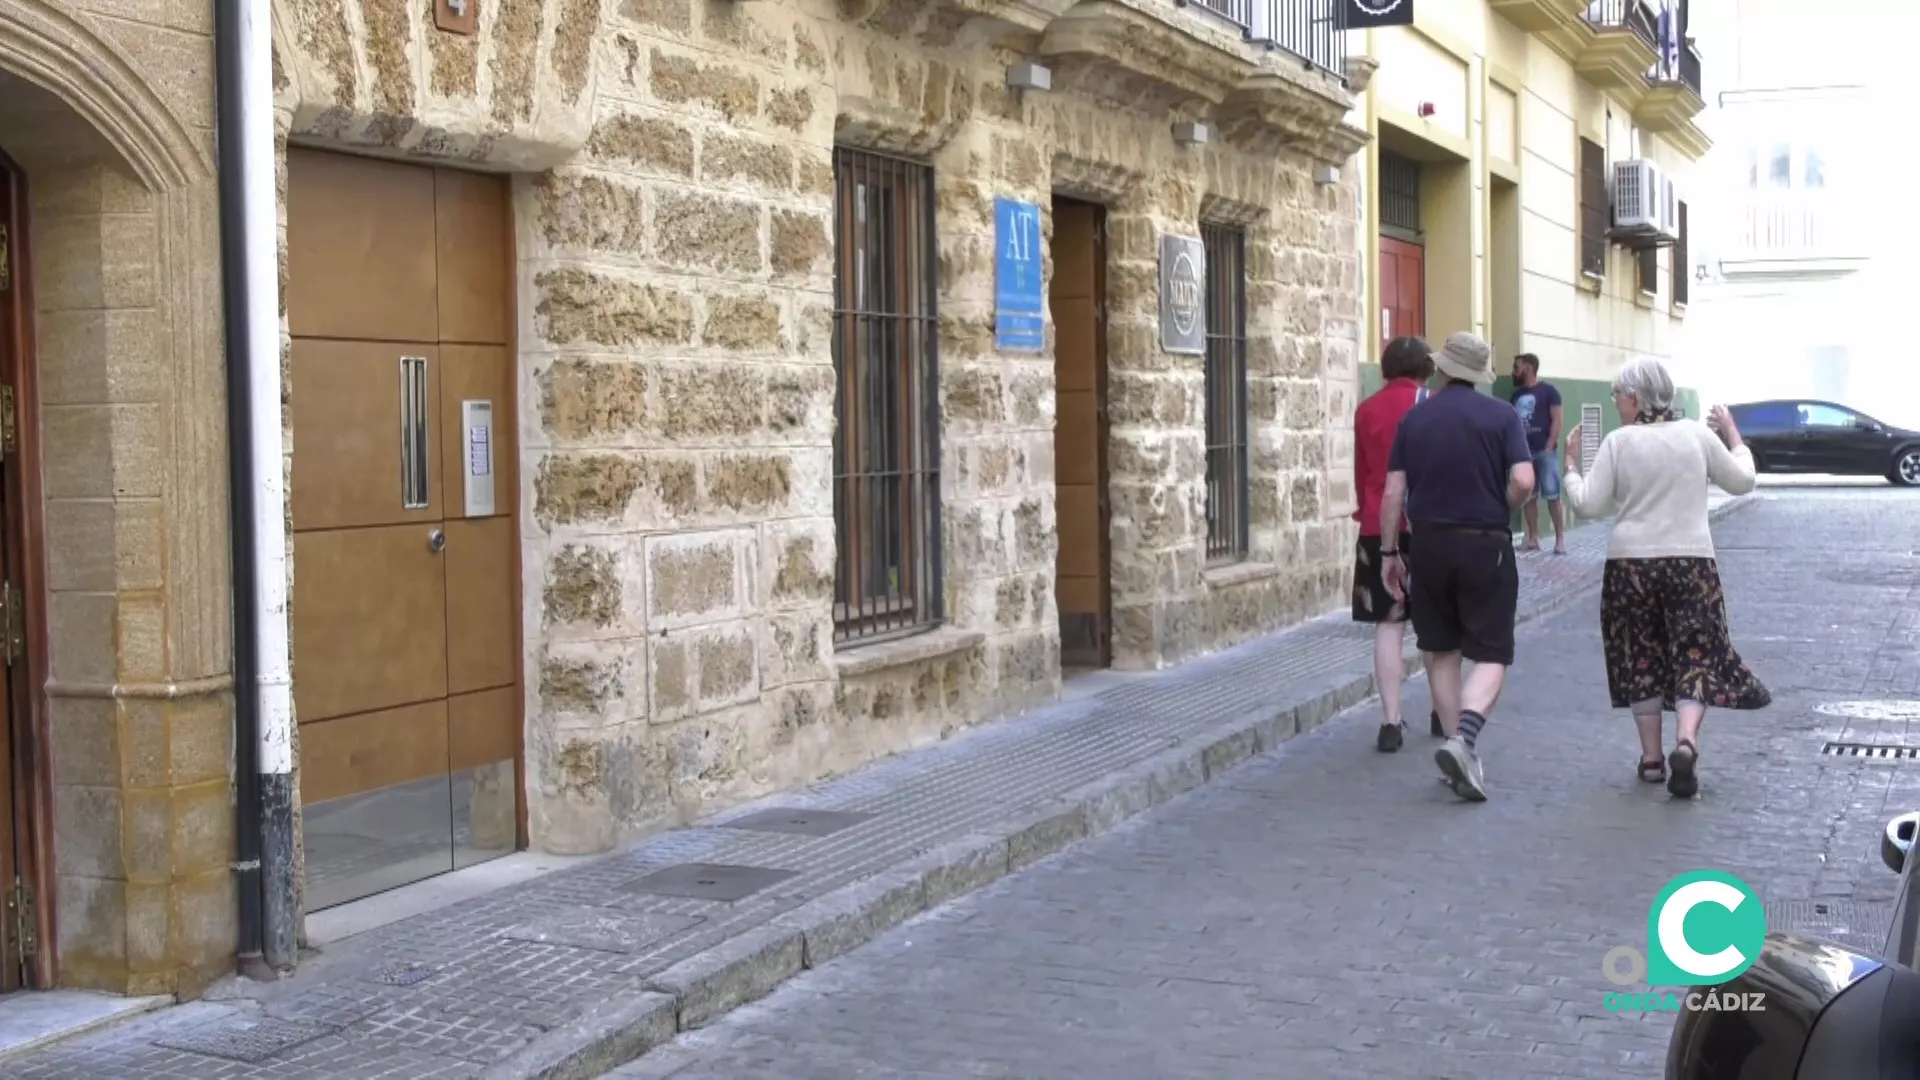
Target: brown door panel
[(348, 468), (369, 620), (475, 277), (483, 728), (1076, 438), (1078, 515), (476, 372), (354, 754), (1076, 344), (1074, 271), (1079, 596), (360, 249), (481, 592)]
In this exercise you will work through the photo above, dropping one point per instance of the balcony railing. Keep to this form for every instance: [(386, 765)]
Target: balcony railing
[(1798, 229), (1633, 15), (1312, 30)]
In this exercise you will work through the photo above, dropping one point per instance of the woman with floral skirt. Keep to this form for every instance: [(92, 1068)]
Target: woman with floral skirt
[(1663, 618)]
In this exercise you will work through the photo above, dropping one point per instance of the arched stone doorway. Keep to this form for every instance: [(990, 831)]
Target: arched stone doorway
[(115, 492)]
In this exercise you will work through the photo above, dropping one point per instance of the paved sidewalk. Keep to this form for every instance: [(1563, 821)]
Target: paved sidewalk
[(589, 966), (1325, 912)]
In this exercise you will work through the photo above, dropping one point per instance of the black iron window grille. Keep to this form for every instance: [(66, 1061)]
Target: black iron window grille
[(1226, 392), (1596, 214), (886, 450), (1399, 192), (1682, 262)]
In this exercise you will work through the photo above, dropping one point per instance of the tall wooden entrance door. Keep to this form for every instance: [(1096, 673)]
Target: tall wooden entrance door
[(23, 773), (406, 566), (1077, 301), (1403, 289)]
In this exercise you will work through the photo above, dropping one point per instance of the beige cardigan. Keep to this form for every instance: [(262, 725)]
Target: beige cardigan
[(1652, 480)]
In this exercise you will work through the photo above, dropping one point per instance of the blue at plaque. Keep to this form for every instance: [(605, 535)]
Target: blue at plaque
[(1019, 317)]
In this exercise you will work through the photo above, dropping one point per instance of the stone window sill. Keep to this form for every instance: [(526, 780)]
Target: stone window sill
[(934, 644), (1241, 573)]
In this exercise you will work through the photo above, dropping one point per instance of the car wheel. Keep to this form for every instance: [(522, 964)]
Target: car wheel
[(1906, 468)]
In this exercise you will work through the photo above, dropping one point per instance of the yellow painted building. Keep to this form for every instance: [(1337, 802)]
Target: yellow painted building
[(1500, 190)]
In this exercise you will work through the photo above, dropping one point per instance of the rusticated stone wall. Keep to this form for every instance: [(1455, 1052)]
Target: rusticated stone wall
[(675, 235)]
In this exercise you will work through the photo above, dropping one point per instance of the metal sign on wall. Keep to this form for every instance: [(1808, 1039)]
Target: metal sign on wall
[(1018, 290), (1183, 316), (1363, 14)]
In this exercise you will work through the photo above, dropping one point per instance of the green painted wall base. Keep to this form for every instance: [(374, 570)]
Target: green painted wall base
[(1573, 394)]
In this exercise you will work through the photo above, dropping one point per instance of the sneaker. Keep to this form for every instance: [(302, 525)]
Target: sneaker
[(1390, 737), (1433, 725), (1462, 768)]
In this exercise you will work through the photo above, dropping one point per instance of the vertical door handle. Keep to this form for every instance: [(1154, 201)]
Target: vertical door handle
[(413, 433)]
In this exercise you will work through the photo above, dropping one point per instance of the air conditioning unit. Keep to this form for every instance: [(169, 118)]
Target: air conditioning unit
[(1638, 195)]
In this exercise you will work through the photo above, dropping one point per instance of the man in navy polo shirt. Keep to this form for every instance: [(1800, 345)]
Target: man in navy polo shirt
[(1460, 465)]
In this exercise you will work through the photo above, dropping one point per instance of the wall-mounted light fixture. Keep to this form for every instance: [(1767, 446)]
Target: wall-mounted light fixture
[(1030, 77), (1427, 109), (1326, 174), (1191, 133)]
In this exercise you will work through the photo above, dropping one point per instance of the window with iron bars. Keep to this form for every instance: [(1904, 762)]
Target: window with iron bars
[(1682, 262), (1226, 392), (886, 450), (1399, 192), (1596, 214)]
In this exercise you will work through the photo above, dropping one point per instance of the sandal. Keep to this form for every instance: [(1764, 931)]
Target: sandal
[(1653, 772), (1683, 784)]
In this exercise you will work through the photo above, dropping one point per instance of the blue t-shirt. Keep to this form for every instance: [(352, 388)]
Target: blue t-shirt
[(1535, 405), (1456, 449)]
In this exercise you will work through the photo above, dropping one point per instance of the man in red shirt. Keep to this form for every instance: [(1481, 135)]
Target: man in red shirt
[(1406, 365)]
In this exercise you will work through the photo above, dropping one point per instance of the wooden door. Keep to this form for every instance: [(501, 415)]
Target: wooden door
[(1403, 289), (1077, 300), (406, 583)]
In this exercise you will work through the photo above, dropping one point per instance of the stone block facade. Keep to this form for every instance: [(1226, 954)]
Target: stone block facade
[(673, 165)]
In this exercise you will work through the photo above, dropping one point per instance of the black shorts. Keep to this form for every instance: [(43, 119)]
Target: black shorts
[(1372, 603), (1465, 591)]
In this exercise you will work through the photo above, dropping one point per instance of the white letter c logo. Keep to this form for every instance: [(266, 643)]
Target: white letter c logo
[(1672, 928)]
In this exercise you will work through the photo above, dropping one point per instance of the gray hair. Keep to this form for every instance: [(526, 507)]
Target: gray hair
[(1647, 380)]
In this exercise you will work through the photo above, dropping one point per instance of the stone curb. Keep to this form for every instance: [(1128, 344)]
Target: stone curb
[(700, 989)]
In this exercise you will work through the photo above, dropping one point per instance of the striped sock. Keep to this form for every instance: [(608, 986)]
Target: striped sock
[(1470, 724)]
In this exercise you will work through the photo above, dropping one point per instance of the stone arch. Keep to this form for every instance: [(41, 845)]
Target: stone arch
[(123, 423), (51, 48)]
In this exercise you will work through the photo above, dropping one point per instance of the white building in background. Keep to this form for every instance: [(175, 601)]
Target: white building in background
[(1805, 283)]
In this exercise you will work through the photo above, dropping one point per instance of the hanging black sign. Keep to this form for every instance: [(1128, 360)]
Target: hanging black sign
[(1362, 14)]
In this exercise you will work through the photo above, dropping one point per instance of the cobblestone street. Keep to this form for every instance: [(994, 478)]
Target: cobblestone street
[(1309, 908), (1326, 911)]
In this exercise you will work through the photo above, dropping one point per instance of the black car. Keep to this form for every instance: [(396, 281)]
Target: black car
[(1828, 1011), (1821, 437)]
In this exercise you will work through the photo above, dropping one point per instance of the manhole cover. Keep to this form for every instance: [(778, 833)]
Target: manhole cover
[(1886, 709), (1861, 924), (708, 881), (797, 820), (250, 1042), (1871, 751)]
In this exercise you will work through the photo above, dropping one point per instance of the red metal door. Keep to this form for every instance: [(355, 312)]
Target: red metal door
[(1403, 289)]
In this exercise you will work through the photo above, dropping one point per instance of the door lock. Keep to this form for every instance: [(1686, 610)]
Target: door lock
[(436, 540)]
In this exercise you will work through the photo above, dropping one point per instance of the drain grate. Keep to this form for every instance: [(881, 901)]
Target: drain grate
[(250, 1043), (1871, 751)]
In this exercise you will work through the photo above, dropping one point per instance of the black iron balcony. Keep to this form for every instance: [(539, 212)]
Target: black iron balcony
[(1631, 15), (1309, 29), (1690, 67)]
